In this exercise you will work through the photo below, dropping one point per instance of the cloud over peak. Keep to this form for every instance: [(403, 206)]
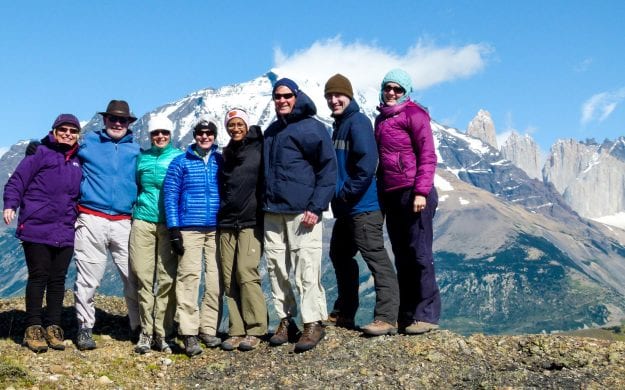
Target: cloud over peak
[(366, 64)]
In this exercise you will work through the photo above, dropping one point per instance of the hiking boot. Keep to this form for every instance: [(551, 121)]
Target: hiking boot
[(54, 337), (34, 338), (379, 328), (210, 341), (312, 334), (345, 322), (336, 319), (420, 327), (144, 344), (161, 344), (84, 339), (331, 320), (232, 343), (286, 330), (249, 343), (192, 346)]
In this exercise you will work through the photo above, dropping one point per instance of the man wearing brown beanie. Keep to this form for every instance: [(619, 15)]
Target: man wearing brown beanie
[(358, 226)]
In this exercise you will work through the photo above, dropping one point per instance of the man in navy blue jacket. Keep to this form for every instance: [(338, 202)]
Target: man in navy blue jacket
[(300, 175), (359, 221)]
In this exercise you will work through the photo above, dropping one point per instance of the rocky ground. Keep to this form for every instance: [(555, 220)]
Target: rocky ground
[(344, 359)]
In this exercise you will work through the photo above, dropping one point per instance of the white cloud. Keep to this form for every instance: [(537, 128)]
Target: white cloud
[(600, 106), (366, 64)]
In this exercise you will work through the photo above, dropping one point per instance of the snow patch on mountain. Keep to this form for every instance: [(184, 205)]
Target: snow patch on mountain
[(616, 220)]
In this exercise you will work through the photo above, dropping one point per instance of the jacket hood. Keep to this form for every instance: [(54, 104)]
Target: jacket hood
[(304, 108)]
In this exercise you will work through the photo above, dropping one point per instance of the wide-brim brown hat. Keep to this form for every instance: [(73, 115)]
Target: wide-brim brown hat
[(119, 108)]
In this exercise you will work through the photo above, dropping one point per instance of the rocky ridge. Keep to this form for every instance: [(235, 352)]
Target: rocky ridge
[(523, 151), (590, 176), (343, 359)]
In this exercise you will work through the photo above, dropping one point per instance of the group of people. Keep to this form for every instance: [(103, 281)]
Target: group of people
[(163, 215)]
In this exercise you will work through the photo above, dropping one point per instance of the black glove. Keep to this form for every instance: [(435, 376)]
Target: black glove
[(175, 238), (32, 148)]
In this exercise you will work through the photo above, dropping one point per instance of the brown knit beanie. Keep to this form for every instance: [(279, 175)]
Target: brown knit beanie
[(339, 84)]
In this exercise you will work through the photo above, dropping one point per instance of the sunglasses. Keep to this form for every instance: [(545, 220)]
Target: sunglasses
[(278, 96), (165, 133), (71, 130), (199, 133), (390, 88), (118, 119)]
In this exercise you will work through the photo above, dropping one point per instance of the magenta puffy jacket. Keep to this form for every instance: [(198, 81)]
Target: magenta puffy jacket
[(406, 148)]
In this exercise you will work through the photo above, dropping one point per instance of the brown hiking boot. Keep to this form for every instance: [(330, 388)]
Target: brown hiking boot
[(54, 337), (336, 319), (34, 338), (312, 334), (420, 327), (232, 343), (286, 330), (379, 328), (249, 343)]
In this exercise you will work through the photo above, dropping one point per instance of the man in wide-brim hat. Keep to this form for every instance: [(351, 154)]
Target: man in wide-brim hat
[(118, 108), (107, 195)]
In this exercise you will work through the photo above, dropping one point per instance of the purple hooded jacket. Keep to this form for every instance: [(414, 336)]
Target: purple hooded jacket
[(406, 148), (46, 186)]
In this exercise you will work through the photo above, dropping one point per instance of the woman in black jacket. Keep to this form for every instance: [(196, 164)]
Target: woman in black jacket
[(240, 232)]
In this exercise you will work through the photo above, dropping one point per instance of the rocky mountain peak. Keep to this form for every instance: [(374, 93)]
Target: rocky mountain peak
[(590, 176), (523, 151), (483, 127)]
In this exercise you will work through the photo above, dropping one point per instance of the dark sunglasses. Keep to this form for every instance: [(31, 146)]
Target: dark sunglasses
[(201, 132), (71, 130), (390, 88), (118, 119), (165, 133), (278, 96)]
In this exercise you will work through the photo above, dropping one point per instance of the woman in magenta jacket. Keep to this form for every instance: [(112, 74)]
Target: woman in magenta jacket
[(409, 199)]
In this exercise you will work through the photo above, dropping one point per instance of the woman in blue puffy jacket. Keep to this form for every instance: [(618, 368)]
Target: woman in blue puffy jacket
[(191, 204)]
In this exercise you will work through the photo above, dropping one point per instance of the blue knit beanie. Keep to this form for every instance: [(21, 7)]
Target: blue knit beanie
[(400, 77), (290, 84)]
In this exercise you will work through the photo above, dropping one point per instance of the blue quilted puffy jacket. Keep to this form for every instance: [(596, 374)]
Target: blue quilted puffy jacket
[(191, 190)]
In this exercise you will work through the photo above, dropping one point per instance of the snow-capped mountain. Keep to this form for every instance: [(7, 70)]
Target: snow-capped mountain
[(589, 176), (512, 256)]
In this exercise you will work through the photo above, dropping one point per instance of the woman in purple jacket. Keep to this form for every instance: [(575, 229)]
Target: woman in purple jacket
[(45, 187), (409, 199)]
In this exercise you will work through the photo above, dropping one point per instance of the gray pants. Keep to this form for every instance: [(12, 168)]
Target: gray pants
[(363, 233)]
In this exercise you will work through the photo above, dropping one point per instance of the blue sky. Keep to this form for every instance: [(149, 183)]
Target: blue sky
[(553, 69)]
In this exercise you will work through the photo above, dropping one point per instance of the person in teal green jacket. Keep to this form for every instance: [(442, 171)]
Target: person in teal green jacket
[(151, 256)]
